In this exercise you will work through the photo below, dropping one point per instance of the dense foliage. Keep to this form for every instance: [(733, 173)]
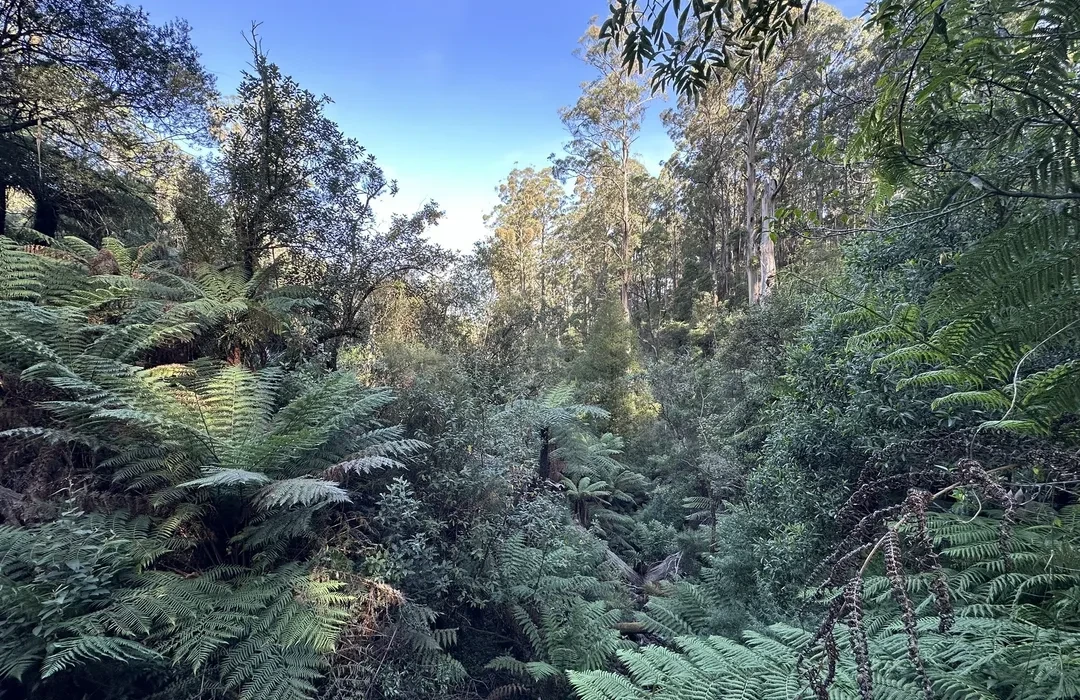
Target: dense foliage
[(794, 417)]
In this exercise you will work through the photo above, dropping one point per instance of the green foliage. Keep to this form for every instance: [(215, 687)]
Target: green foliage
[(58, 586), (722, 599), (1014, 635), (994, 336), (413, 559), (608, 371), (234, 468), (562, 615), (612, 472), (84, 589), (997, 329), (90, 90), (689, 44)]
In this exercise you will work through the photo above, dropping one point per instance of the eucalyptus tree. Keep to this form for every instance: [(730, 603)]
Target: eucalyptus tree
[(523, 224), (604, 124), (686, 44), (707, 176), (765, 137), (801, 105)]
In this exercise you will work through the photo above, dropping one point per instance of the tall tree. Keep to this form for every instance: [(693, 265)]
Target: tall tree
[(603, 125), (281, 160), (523, 223), (786, 117), (353, 261), (706, 134)]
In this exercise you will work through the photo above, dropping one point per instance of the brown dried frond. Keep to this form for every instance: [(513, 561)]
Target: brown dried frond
[(845, 564), (361, 646), (916, 507), (943, 602), (820, 685), (973, 474), (860, 647), (895, 573), (373, 602), (104, 263), (377, 599), (867, 517), (839, 563), (825, 632), (832, 656), (871, 493), (919, 464)]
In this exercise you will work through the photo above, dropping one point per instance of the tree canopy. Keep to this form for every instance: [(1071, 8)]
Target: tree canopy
[(794, 414)]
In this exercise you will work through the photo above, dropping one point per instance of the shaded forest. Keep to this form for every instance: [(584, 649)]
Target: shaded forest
[(792, 416)]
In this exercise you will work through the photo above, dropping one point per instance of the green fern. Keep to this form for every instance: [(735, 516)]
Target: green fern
[(564, 618), (997, 336), (1016, 633), (190, 442)]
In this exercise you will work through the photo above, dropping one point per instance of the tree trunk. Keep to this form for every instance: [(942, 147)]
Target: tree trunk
[(235, 356), (624, 289), (249, 258), (521, 274), (46, 217), (768, 249), (334, 350), (3, 208), (252, 236), (675, 276), (751, 204), (714, 261), (544, 465), (542, 269), (723, 263)]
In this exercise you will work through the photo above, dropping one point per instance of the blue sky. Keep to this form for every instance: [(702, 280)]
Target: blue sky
[(448, 94)]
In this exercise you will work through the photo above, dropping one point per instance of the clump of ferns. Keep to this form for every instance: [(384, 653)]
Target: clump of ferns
[(892, 535)]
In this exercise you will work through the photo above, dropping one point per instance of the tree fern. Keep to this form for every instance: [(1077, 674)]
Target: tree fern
[(564, 618), (997, 336), (1015, 633), (191, 443)]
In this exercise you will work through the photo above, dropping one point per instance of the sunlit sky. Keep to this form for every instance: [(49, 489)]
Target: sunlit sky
[(448, 94)]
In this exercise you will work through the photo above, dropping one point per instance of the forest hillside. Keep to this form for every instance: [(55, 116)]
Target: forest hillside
[(794, 416)]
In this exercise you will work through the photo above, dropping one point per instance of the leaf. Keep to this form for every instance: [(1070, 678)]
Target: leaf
[(301, 491), (941, 26), (217, 476)]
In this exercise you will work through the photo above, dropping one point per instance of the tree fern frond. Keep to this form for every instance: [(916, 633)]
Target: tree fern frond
[(303, 491)]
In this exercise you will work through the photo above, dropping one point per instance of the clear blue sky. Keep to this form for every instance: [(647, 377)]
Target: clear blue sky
[(448, 94)]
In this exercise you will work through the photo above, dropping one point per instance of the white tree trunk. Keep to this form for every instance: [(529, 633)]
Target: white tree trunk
[(624, 246), (752, 285), (767, 250)]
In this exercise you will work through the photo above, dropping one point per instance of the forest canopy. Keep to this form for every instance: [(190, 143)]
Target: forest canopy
[(795, 415)]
